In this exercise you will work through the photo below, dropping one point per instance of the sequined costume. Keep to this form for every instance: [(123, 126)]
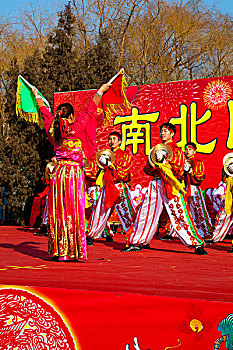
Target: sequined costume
[(67, 187)]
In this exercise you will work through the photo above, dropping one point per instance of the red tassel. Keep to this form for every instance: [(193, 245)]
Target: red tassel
[(111, 192), (188, 193), (43, 194)]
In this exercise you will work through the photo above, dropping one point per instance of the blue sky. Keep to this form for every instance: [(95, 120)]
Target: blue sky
[(225, 6), (10, 8)]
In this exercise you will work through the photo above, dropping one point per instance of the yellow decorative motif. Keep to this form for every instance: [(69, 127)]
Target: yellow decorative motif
[(38, 267), (67, 162), (173, 347), (72, 144), (196, 325)]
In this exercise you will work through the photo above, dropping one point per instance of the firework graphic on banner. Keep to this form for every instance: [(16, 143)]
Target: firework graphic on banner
[(216, 94), (151, 96), (177, 93), (167, 96)]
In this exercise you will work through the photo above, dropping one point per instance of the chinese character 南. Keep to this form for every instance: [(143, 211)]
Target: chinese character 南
[(137, 130)]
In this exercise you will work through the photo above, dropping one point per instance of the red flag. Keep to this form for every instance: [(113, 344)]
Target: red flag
[(111, 192), (114, 101)]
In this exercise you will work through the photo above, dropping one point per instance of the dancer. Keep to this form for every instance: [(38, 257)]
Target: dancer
[(224, 218), (70, 137), (165, 189), (43, 231), (194, 172), (92, 194), (115, 192)]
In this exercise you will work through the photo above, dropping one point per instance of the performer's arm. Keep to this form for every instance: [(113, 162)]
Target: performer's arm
[(151, 171), (177, 163), (198, 173), (91, 171), (82, 121), (90, 111), (47, 116)]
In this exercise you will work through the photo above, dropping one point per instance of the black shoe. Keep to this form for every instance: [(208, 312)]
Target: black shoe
[(132, 248), (228, 236), (146, 246), (55, 258), (89, 241), (200, 251), (42, 231), (109, 239), (166, 238), (208, 241)]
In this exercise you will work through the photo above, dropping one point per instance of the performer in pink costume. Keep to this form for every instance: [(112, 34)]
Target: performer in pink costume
[(71, 138)]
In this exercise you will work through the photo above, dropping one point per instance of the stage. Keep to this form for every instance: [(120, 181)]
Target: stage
[(164, 288)]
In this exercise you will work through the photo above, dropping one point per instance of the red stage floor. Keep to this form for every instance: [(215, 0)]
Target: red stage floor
[(168, 269)]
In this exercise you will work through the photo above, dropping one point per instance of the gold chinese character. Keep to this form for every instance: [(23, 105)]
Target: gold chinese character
[(206, 148), (138, 131)]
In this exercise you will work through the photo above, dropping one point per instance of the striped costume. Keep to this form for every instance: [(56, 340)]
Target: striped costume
[(224, 218), (124, 205), (92, 194), (196, 201), (159, 194)]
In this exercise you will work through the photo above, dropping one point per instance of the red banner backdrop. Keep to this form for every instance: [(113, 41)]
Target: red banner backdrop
[(49, 318), (201, 109)]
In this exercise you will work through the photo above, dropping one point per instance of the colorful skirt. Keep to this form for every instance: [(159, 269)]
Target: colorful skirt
[(67, 239)]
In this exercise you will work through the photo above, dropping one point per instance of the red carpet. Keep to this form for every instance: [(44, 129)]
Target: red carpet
[(169, 269)]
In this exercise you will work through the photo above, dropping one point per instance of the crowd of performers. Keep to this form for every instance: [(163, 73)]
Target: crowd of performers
[(174, 188)]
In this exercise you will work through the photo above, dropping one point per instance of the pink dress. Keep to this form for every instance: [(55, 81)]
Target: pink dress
[(66, 203)]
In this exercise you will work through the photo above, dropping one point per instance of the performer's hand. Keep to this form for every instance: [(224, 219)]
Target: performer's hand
[(190, 170), (103, 159), (230, 168), (100, 92), (161, 156), (187, 167), (104, 88), (35, 92)]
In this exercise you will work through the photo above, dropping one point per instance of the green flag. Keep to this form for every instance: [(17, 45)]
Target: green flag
[(26, 105)]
